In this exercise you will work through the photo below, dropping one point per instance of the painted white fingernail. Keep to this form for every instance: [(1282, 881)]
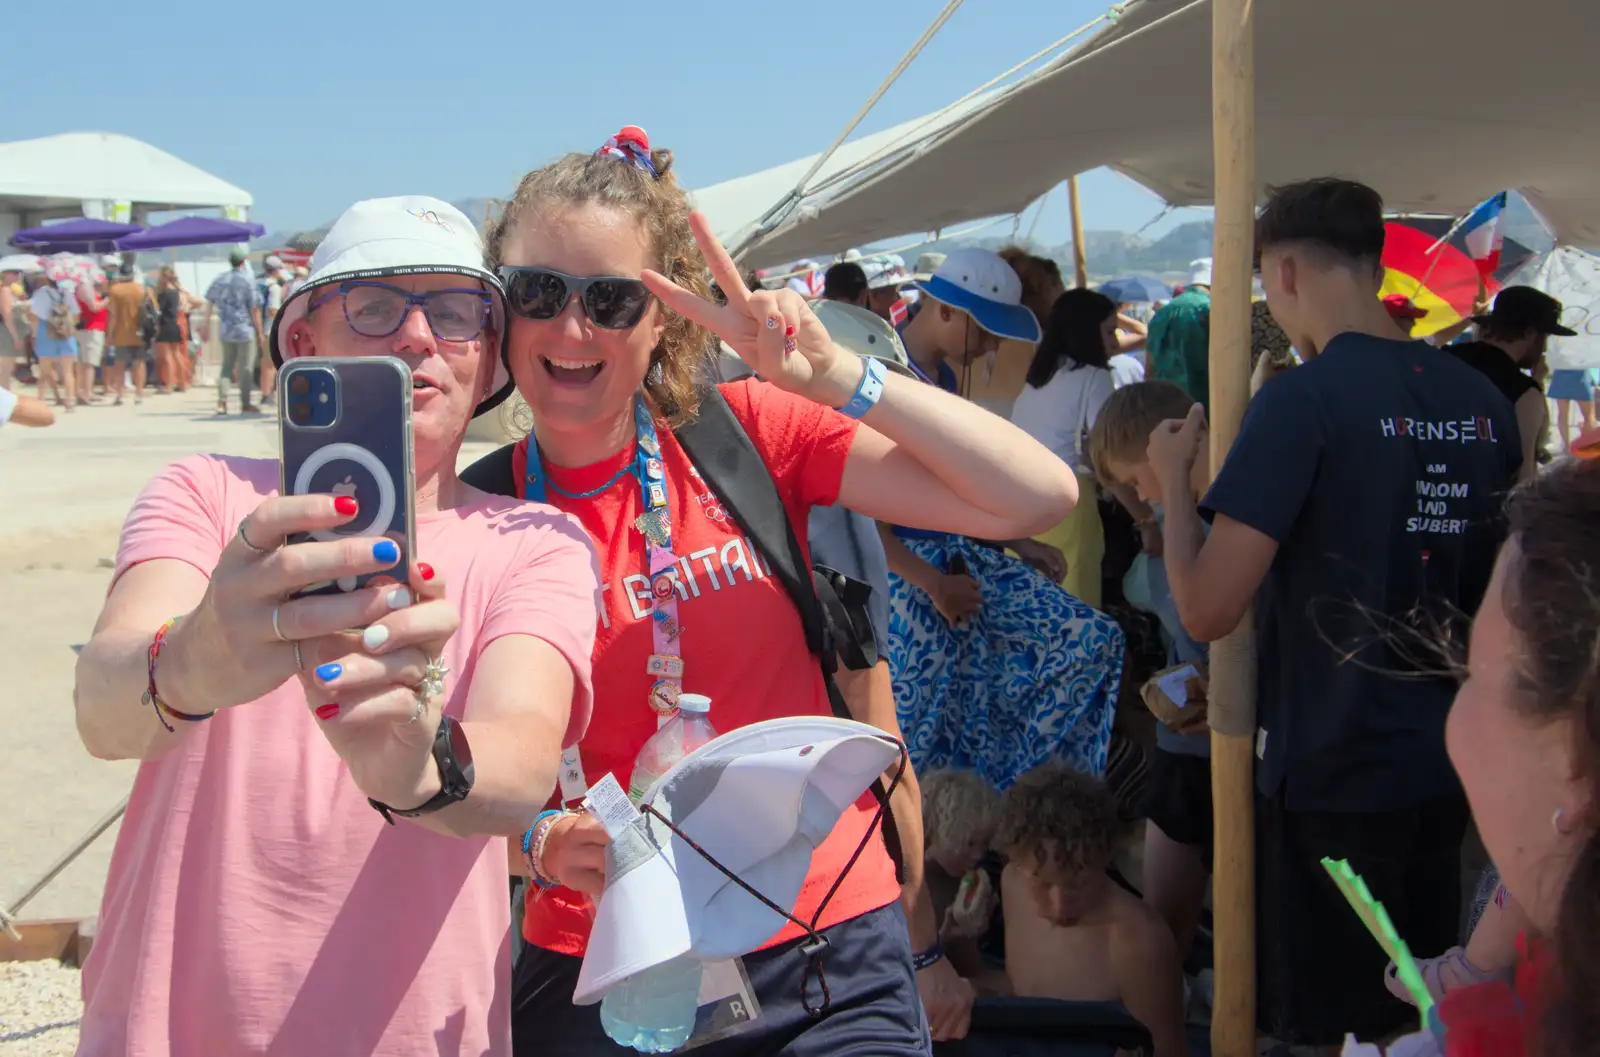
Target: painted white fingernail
[(399, 598), (374, 636)]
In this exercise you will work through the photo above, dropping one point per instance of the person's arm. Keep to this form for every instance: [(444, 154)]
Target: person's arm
[(1149, 976), (1533, 415), (20, 410), (1131, 333), (255, 322), (922, 457), (945, 995), (205, 324), (1255, 501), (518, 712), (954, 596), (8, 301)]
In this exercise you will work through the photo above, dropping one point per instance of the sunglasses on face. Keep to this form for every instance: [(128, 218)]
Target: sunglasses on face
[(611, 302), (377, 310)]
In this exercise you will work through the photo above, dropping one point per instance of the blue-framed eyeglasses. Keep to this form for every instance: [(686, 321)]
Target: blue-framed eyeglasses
[(377, 310)]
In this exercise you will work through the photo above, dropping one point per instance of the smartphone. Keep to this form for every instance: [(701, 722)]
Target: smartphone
[(344, 428)]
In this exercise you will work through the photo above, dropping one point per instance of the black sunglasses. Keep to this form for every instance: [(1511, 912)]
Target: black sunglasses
[(611, 302)]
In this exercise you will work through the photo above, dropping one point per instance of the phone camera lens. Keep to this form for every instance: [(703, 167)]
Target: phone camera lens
[(299, 385), (299, 410)]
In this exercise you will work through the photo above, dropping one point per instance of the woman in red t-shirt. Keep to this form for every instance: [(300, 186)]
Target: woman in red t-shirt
[(607, 343)]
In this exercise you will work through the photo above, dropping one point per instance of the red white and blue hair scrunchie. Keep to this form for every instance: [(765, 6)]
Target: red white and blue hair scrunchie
[(632, 146)]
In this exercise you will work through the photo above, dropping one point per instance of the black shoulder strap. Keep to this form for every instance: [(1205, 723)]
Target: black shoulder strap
[(721, 450), (728, 462), (492, 473)]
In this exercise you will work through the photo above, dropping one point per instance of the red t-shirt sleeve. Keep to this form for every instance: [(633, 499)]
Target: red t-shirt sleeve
[(550, 594), (804, 444)]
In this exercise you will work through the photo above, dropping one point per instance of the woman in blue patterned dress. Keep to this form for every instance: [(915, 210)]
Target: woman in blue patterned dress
[(996, 668)]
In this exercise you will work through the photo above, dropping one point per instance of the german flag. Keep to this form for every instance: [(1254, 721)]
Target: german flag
[(1445, 282)]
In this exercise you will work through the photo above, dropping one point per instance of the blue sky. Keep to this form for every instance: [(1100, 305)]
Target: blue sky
[(312, 106)]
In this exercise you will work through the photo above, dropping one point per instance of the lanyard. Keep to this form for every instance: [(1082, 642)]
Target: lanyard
[(665, 664)]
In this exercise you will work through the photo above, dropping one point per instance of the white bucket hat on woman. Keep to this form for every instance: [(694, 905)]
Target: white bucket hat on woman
[(408, 235), (759, 801)]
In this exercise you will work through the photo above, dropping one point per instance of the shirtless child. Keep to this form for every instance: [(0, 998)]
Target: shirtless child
[(1072, 932)]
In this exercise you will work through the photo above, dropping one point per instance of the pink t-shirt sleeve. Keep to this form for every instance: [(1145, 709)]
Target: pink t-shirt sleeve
[(181, 513), (550, 593), (804, 444)]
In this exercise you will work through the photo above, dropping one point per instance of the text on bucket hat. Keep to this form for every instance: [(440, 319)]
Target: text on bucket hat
[(757, 801), (408, 235), (983, 285)]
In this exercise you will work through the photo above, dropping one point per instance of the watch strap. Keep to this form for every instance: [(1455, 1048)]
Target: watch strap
[(455, 781)]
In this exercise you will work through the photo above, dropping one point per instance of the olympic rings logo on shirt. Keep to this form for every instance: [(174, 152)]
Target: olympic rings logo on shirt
[(716, 513)]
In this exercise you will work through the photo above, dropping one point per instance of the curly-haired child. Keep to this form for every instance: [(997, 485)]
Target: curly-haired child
[(1072, 932)]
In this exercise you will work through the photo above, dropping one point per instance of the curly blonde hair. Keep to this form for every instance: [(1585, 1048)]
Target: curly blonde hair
[(958, 807), (678, 363)]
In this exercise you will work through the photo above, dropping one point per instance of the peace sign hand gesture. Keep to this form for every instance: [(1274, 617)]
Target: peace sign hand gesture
[(773, 331)]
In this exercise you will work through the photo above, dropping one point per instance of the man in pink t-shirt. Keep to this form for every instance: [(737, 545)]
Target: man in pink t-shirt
[(313, 858)]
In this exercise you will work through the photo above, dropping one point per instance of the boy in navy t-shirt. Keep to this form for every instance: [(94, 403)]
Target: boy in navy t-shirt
[(1360, 510)]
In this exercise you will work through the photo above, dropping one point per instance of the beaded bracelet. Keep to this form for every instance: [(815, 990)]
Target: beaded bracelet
[(533, 847), (152, 697)]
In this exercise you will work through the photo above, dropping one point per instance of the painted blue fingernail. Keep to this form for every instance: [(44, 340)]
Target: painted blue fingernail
[(386, 551), (329, 672)]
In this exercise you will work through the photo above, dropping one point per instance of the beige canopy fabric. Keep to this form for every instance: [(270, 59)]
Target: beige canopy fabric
[(1436, 103)]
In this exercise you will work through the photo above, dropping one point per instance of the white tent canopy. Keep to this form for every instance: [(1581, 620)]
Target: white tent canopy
[(1436, 103), (1573, 278), (735, 206), (53, 174)]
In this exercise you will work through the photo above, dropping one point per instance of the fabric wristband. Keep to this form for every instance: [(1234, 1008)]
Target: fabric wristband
[(929, 958), (868, 390), (533, 848)]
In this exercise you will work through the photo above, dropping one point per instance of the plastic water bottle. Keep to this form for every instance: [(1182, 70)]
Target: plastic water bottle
[(654, 1011), (683, 733)]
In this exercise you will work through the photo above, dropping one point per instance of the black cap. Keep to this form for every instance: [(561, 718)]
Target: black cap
[(1519, 308)]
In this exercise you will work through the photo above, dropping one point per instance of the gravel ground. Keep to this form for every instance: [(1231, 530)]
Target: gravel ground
[(40, 1005)]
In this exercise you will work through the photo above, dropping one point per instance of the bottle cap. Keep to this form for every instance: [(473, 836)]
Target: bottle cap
[(699, 704)]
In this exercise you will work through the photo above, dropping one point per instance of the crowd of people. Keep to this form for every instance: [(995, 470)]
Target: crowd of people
[(318, 847), (107, 333)]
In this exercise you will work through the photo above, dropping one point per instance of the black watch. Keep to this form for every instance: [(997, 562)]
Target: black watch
[(453, 756)]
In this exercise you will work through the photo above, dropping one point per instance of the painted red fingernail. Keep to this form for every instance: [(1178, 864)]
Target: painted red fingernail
[(788, 332), (346, 505), (327, 711), (425, 570)]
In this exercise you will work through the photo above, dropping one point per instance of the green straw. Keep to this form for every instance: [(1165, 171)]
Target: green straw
[(1377, 921)]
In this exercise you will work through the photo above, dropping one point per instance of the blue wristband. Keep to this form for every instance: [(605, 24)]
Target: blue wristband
[(527, 848), (869, 389), (929, 958)]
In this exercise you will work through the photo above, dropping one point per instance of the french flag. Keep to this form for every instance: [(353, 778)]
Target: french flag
[(1481, 232)]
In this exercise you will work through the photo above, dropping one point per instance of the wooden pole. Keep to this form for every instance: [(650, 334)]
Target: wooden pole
[(1080, 262), (1233, 662)]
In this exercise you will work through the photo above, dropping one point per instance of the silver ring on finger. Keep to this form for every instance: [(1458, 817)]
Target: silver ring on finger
[(421, 710), (275, 629), (246, 541), (299, 665)]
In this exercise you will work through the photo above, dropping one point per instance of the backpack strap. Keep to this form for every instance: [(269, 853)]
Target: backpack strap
[(730, 465)]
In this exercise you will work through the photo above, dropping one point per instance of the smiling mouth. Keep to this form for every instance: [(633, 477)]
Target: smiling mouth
[(572, 372), (421, 383)]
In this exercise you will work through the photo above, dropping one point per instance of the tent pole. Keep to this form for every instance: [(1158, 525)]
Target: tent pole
[(1233, 658), (1080, 263)]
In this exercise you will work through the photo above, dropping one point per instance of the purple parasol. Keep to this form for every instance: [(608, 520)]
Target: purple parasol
[(191, 231), (73, 236)]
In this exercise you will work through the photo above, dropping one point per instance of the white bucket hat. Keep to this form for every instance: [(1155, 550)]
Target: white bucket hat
[(981, 284), (758, 800), (864, 333), (407, 235)]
